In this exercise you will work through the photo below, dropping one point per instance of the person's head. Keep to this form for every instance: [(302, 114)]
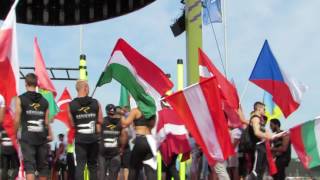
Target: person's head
[(82, 87), (259, 108), (31, 81), (275, 125), (119, 110), (110, 109), (61, 137)]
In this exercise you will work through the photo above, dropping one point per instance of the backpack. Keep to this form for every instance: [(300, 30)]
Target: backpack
[(246, 144)]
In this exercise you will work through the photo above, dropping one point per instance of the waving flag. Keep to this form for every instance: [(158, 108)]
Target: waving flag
[(305, 139), (172, 134), (47, 89), (227, 89), (268, 75), (143, 79), (200, 107), (63, 116), (9, 69), (212, 11), (272, 110)]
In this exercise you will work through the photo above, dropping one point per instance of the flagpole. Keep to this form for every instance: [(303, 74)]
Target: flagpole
[(225, 36), (244, 92)]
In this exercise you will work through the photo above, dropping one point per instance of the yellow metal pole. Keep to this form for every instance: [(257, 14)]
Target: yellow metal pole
[(180, 85), (83, 68), (194, 38)]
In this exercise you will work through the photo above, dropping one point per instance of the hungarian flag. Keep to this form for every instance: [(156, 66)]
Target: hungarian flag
[(172, 135), (227, 89), (124, 97), (63, 116), (45, 85), (200, 107), (144, 80), (305, 139), (9, 69), (268, 75)]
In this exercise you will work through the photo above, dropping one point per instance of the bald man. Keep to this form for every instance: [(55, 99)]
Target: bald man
[(86, 115)]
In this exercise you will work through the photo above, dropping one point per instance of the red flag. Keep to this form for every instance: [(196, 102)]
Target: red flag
[(44, 81), (200, 107), (173, 136), (271, 162), (9, 69), (63, 116), (227, 89)]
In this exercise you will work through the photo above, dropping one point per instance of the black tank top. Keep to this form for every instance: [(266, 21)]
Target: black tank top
[(111, 129), (253, 137), (285, 155), (6, 144), (33, 128), (84, 112), (142, 121)]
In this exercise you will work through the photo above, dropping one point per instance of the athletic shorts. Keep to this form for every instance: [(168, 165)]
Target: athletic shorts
[(35, 158)]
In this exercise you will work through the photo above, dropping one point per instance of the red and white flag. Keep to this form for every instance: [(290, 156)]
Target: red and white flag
[(227, 89), (200, 107), (172, 135), (9, 69), (44, 81), (63, 116)]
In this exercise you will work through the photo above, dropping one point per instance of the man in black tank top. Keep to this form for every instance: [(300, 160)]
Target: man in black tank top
[(258, 136), (86, 115), (8, 157), (113, 140), (32, 116), (281, 150)]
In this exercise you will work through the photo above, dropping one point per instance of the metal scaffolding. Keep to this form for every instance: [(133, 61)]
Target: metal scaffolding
[(52, 71)]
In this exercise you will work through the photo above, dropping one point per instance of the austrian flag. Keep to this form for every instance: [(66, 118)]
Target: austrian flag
[(200, 107)]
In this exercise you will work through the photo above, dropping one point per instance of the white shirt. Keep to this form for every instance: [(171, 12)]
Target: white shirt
[(2, 102), (235, 135)]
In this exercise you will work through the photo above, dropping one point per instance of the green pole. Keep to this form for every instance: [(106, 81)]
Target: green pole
[(194, 38)]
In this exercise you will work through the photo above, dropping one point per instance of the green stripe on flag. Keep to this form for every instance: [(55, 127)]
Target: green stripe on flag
[(124, 76), (310, 143), (124, 97), (53, 108)]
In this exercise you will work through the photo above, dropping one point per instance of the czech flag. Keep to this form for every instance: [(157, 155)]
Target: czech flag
[(268, 75)]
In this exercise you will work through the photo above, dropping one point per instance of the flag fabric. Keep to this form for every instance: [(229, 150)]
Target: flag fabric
[(271, 162), (144, 80), (63, 116), (268, 75), (200, 107), (227, 89), (45, 85), (305, 139), (172, 135), (211, 12), (9, 70), (44, 81), (124, 97), (272, 110)]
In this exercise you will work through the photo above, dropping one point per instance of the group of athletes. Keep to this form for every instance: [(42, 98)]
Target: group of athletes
[(102, 143)]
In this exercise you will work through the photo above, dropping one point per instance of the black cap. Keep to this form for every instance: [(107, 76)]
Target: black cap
[(110, 108)]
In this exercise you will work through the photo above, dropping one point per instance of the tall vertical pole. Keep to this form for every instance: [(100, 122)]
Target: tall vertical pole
[(180, 85), (194, 38), (83, 73), (224, 15)]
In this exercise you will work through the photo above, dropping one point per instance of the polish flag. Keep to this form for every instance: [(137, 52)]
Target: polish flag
[(200, 107), (63, 104)]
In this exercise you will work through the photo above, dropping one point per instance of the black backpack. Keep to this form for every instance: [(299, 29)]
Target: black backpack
[(246, 144)]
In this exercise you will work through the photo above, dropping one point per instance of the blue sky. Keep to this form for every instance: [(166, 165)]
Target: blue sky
[(291, 27)]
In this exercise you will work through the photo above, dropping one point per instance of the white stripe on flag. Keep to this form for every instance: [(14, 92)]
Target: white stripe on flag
[(63, 102), (317, 133), (204, 72), (202, 117), (173, 129)]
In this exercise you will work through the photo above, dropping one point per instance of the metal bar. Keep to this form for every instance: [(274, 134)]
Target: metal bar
[(68, 73), (51, 71)]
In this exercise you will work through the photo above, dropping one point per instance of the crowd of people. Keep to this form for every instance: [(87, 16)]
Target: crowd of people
[(117, 146)]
